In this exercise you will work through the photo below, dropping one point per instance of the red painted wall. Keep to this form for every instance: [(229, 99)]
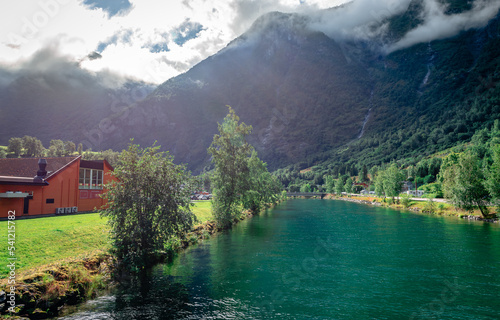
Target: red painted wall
[(63, 188)]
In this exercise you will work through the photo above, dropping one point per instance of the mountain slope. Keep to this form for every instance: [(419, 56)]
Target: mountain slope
[(309, 98)]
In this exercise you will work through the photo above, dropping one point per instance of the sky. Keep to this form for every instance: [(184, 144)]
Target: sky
[(154, 40), (149, 40)]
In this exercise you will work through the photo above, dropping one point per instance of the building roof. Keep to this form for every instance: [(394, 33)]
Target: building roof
[(28, 167)]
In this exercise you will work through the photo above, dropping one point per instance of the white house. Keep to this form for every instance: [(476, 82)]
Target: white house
[(415, 193)]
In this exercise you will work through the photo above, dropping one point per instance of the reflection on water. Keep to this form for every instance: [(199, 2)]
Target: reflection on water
[(320, 259)]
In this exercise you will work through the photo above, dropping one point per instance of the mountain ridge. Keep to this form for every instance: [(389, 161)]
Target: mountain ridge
[(311, 98)]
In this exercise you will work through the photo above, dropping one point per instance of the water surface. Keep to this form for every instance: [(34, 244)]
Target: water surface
[(323, 259)]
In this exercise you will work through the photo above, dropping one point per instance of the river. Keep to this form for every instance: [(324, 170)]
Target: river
[(322, 259)]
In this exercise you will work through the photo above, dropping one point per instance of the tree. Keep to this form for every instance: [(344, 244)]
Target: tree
[(56, 148), (230, 152), (492, 182), (330, 184), (463, 184), (379, 182), (148, 205), (339, 185), (363, 174), (348, 185), (15, 146), (306, 187), (262, 187), (33, 147), (392, 181), (80, 149), (69, 148)]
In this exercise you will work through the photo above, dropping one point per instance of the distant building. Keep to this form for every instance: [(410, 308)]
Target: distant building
[(33, 186), (407, 185), (415, 193)]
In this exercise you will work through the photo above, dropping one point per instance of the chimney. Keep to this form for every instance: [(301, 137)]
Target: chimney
[(41, 173)]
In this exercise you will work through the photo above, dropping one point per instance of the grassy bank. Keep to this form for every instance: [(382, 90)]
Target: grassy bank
[(431, 207), (48, 240)]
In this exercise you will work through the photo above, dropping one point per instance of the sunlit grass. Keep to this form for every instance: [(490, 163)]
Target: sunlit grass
[(43, 241)]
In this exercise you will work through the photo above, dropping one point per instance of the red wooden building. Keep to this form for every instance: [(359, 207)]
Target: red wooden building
[(32, 186)]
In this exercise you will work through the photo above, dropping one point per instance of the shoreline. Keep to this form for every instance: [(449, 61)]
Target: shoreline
[(459, 213), (43, 292)]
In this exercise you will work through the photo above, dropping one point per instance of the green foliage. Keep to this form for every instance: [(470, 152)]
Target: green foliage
[(330, 184), (306, 187), (148, 205), (463, 184), (262, 188), (339, 185), (492, 182), (230, 152), (429, 206), (69, 148), (390, 181), (56, 148), (405, 200), (113, 157), (32, 147), (348, 185), (16, 146), (240, 179)]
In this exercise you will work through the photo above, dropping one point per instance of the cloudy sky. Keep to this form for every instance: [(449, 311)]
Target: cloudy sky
[(154, 40), (150, 40)]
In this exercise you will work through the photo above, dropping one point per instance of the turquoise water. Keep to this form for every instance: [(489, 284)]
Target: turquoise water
[(323, 259)]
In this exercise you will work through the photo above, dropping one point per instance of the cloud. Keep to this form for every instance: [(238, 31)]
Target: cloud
[(437, 25), (111, 7), (123, 36), (50, 67), (358, 19), (148, 39)]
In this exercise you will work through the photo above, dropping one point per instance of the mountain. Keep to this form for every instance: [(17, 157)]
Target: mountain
[(314, 97), (51, 97)]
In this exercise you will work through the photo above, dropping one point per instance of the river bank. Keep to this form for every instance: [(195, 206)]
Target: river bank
[(42, 292), (430, 206)]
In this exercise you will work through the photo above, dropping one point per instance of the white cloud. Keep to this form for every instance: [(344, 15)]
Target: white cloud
[(437, 25), (31, 25)]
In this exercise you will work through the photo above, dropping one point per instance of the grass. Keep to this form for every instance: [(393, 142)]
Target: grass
[(44, 241), (203, 210)]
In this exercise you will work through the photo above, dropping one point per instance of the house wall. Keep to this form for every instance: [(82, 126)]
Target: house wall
[(88, 200), (62, 188)]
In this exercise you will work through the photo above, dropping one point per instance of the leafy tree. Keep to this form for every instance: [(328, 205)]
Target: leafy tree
[(492, 182), (330, 184), (56, 148), (348, 185), (69, 148), (463, 183), (262, 187), (33, 147), (339, 185), (306, 187), (15, 146), (379, 182), (392, 181), (230, 152), (148, 205), (363, 174), (80, 149), (3, 154)]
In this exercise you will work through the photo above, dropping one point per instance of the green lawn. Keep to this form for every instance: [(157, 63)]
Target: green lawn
[(43, 241)]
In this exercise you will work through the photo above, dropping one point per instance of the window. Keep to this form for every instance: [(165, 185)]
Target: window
[(49, 200), (90, 179)]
